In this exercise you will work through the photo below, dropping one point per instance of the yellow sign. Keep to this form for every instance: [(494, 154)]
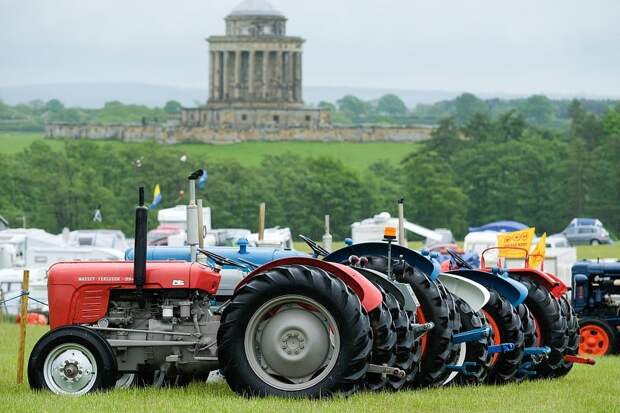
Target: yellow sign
[(537, 256), (519, 241)]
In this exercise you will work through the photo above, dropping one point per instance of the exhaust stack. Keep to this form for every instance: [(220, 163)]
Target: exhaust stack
[(139, 260), (192, 216)]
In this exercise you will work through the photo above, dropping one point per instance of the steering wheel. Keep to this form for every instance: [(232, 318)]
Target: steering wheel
[(459, 260), (316, 248)]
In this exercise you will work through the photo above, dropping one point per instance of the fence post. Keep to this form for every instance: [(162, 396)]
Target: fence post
[(23, 322), (261, 222)]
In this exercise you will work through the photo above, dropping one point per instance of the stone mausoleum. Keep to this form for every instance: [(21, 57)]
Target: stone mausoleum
[(255, 74), (255, 94)]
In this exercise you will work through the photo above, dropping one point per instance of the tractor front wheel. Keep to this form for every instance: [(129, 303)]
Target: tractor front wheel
[(596, 337), (72, 360), (294, 331)]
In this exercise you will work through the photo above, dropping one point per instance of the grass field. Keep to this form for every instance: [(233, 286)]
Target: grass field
[(591, 389), (355, 155)]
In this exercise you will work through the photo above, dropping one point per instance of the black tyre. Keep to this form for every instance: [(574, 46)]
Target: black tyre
[(383, 345), (294, 331), (72, 360), (597, 337), (551, 325), (407, 347), (506, 325), (436, 345), (530, 339), (476, 351), (572, 326), (459, 351)]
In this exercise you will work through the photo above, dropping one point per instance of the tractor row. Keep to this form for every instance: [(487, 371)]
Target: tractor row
[(369, 316)]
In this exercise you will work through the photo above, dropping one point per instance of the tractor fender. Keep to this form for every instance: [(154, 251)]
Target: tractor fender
[(368, 294), (380, 249), (469, 291), (401, 291), (553, 284), (510, 289)]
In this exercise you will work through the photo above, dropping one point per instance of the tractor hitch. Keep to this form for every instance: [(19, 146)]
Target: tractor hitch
[(464, 368), (580, 360), (420, 329), (501, 348), (471, 335), (386, 370)]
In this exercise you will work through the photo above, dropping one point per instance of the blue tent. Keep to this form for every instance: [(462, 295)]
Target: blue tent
[(500, 226)]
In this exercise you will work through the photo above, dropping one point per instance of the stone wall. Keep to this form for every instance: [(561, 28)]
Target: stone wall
[(178, 134)]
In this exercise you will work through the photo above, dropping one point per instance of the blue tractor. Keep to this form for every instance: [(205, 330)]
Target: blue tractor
[(596, 299)]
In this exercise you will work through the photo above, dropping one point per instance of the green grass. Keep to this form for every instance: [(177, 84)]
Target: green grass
[(598, 251), (355, 155), (591, 389)]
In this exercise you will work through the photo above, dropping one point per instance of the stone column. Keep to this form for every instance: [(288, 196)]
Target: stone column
[(251, 69), (225, 91), (266, 79), (290, 77), (279, 73), (217, 79), (237, 74), (211, 75), (298, 77)]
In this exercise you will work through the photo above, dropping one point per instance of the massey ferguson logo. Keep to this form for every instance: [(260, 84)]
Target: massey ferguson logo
[(178, 283)]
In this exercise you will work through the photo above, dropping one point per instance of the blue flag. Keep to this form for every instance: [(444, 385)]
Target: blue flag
[(156, 197), (203, 179)]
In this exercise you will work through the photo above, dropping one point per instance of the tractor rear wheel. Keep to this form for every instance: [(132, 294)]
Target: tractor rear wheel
[(596, 337), (407, 347), (550, 323), (573, 336), (294, 331), (72, 360), (383, 345), (506, 325), (530, 339), (476, 351)]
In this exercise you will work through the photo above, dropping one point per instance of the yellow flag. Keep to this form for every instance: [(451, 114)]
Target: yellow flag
[(538, 253), (517, 239)]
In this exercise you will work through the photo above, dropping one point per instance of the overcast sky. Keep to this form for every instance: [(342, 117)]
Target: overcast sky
[(517, 46)]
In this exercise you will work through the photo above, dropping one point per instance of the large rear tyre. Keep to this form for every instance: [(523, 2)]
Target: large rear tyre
[(294, 331), (551, 325), (72, 360), (383, 345), (506, 325), (572, 325), (596, 337), (530, 339), (476, 351), (407, 347)]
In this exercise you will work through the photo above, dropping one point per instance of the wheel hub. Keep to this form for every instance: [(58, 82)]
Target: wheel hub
[(70, 369), (293, 342)]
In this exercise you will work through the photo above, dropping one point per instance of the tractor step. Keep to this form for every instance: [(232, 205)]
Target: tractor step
[(580, 360), (420, 329), (501, 348), (526, 369), (463, 369), (471, 335), (386, 370)]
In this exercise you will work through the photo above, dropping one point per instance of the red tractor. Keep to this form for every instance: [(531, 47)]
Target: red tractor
[(296, 327)]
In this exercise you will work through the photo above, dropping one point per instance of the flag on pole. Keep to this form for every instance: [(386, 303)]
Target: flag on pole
[(515, 244), (203, 179), (156, 197), (537, 256), (98, 217)]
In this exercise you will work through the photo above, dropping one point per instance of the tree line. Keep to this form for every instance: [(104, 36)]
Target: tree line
[(488, 168)]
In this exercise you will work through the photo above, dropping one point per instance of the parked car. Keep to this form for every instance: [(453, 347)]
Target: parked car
[(500, 226), (586, 231)]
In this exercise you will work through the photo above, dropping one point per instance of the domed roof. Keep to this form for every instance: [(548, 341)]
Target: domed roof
[(255, 8)]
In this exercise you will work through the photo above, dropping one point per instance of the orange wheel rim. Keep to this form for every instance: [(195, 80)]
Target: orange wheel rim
[(538, 332), (593, 340), (421, 320), (497, 338)]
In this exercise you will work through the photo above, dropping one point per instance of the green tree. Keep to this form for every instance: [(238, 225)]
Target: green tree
[(353, 106), (327, 106), (466, 106), (54, 106), (537, 110), (611, 122), (391, 105)]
